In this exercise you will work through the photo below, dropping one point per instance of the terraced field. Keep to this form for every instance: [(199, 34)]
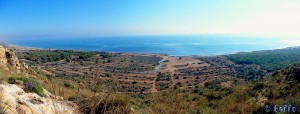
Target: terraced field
[(135, 73)]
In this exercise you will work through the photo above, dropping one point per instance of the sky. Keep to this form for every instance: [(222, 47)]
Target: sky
[(71, 18)]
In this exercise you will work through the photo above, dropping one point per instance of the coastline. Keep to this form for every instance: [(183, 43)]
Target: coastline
[(26, 48)]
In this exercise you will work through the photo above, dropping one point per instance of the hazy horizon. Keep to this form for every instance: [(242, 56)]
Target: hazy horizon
[(171, 45)]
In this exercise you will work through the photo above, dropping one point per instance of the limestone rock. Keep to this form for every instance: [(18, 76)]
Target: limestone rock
[(18, 102), (22, 109), (8, 58), (3, 59), (13, 59)]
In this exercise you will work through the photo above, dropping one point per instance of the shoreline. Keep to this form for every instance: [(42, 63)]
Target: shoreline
[(26, 48)]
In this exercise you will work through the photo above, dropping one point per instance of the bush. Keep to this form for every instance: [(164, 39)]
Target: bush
[(198, 91), (134, 82), (11, 80), (68, 85), (213, 96), (107, 75), (31, 85)]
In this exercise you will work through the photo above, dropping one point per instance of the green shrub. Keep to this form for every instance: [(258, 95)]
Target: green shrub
[(68, 85), (107, 75), (198, 91), (213, 95), (31, 85), (11, 80)]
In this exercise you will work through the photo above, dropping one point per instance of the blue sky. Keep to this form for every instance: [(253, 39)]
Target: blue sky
[(71, 18)]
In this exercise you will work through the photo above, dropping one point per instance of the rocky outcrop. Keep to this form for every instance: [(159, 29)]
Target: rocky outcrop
[(3, 59), (16, 101), (8, 58)]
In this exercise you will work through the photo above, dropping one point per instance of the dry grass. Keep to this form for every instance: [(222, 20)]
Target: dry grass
[(3, 104), (108, 103)]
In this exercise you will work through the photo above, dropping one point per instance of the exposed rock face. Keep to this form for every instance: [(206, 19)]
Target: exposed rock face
[(16, 101), (8, 58), (3, 59), (13, 59)]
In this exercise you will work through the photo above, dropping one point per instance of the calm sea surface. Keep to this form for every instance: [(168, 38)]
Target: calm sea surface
[(171, 45)]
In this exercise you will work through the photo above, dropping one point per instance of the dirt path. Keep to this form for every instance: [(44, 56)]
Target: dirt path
[(153, 88), (185, 62), (157, 69), (170, 68)]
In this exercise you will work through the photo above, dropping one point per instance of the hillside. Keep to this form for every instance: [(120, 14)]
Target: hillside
[(280, 88), (269, 60), (29, 89), (134, 73), (100, 82), (21, 93)]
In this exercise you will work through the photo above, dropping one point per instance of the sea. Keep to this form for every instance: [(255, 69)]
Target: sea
[(181, 45)]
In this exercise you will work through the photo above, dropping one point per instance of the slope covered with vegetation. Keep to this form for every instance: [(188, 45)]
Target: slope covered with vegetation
[(42, 56), (281, 87), (270, 60)]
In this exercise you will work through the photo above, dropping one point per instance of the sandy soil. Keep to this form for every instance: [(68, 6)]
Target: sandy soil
[(175, 63)]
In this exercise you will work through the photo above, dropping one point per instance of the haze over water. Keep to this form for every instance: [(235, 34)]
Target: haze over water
[(171, 45)]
